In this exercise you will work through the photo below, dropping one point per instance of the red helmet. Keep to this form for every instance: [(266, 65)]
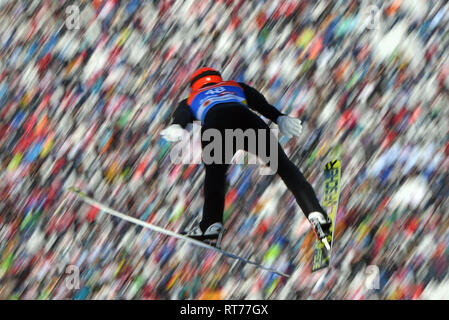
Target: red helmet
[(204, 76)]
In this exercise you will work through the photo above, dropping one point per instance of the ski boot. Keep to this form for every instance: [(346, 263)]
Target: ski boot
[(321, 226), (212, 236)]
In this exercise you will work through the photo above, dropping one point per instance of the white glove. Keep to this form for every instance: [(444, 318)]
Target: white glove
[(173, 133), (289, 126)]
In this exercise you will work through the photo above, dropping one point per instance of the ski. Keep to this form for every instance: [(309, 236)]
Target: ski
[(331, 194), (83, 197)]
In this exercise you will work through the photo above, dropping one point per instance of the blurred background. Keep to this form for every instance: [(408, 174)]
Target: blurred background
[(87, 86)]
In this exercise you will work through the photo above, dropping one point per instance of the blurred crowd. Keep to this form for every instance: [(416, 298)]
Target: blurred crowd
[(87, 86)]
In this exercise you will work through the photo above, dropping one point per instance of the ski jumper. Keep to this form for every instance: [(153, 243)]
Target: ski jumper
[(227, 105)]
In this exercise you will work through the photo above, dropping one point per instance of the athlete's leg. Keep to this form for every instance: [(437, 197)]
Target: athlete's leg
[(287, 170), (214, 194)]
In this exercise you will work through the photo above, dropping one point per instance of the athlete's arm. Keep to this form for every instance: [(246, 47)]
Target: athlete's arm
[(183, 114), (257, 102)]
